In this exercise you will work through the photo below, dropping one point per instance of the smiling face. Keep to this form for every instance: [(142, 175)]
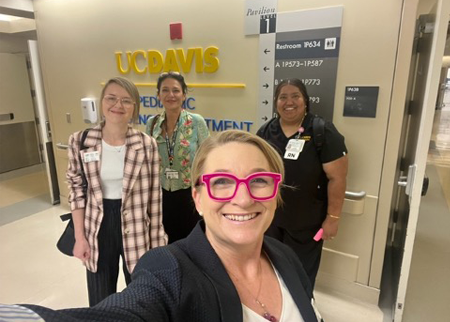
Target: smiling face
[(171, 94), (117, 111), (242, 220), (291, 105)]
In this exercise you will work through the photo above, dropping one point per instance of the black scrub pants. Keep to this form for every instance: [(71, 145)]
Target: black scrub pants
[(104, 281), (307, 249), (179, 213)]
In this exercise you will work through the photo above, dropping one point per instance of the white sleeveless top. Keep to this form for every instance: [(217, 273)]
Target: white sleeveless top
[(289, 310), (111, 171)]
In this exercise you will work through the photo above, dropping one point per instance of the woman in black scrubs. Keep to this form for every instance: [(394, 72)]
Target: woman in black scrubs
[(316, 173)]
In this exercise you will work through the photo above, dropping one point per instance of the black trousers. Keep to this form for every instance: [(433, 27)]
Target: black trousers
[(179, 213), (104, 281), (307, 249)]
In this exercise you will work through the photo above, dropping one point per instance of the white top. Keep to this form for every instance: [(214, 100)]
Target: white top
[(289, 310), (111, 171)]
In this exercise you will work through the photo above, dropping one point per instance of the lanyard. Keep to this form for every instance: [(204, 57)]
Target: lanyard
[(301, 129), (171, 146)]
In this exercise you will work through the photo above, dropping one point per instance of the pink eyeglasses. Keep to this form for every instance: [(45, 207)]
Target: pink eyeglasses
[(262, 186)]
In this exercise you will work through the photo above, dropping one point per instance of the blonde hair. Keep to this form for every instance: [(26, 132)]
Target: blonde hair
[(215, 141), (131, 90)]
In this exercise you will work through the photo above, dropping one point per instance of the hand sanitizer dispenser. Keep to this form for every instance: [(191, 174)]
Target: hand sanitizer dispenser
[(89, 110)]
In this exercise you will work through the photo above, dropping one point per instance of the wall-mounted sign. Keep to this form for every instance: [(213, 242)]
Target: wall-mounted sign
[(303, 45), (151, 105), (361, 101), (254, 9), (177, 60)]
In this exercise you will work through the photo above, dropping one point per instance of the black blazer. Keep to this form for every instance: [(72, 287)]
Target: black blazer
[(186, 282)]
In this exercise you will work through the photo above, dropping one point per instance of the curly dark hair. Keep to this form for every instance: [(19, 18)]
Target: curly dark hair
[(175, 75)]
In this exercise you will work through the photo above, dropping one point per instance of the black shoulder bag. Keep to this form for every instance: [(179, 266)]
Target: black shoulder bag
[(66, 242)]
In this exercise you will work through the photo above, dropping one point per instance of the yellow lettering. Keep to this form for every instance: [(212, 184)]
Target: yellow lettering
[(185, 62), (155, 61), (171, 61), (177, 60), (134, 60), (119, 62), (211, 60), (198, 60)]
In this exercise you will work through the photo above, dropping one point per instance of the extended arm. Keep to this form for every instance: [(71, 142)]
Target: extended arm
[(153, 295)]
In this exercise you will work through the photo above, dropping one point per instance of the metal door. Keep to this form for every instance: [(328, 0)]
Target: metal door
[(416, 130)]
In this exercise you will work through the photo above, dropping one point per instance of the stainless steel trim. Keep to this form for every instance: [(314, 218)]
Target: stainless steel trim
[(62, 146), (19, 146), (403, 181), (355, 195)]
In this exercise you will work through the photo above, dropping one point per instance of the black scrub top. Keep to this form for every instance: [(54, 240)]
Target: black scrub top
[(305, 191)]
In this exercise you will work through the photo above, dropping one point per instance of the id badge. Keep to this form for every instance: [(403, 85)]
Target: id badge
[(171, 173), (294, 148), (91, 156)]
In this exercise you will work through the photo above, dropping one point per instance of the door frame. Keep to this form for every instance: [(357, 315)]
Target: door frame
[(44, 123), (421, 153), (390, 163)]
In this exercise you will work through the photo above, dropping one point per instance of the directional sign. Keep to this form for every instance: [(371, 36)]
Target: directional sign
[(305, 45)]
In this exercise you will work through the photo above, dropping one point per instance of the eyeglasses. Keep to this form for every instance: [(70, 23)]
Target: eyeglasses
[(262, 186), (112, 100)]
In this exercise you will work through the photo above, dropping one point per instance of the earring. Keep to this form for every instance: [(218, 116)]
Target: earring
[(200, 213)]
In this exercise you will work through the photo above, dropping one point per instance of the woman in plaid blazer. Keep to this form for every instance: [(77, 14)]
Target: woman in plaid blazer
[(119, 214)]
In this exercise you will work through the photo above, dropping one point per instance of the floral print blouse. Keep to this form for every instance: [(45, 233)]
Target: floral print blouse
[(191, 131)]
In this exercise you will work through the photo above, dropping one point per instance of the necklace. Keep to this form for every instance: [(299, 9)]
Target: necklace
[(266, 313), (118, 148)]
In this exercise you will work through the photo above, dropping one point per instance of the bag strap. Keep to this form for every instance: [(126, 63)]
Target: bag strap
[(83, 147), (68, 216), (265, 127), (318, 132), (153, 124)]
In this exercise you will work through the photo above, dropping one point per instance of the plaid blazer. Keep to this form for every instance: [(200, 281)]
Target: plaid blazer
[(141, 211)]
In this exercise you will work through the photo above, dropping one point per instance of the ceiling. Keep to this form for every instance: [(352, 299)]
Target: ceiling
[(17, 18)]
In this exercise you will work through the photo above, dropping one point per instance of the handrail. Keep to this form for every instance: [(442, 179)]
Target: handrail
[(62, 146), (355, 195)]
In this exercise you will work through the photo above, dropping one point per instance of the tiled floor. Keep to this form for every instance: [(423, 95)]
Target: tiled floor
[(22, 186)]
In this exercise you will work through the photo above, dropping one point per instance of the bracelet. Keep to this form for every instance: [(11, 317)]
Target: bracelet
[(334, 217)]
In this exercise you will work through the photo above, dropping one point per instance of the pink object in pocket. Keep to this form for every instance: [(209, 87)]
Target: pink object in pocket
[(318, 235)]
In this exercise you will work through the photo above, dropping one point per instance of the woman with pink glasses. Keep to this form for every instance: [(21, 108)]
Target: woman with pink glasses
[(225, 270)]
